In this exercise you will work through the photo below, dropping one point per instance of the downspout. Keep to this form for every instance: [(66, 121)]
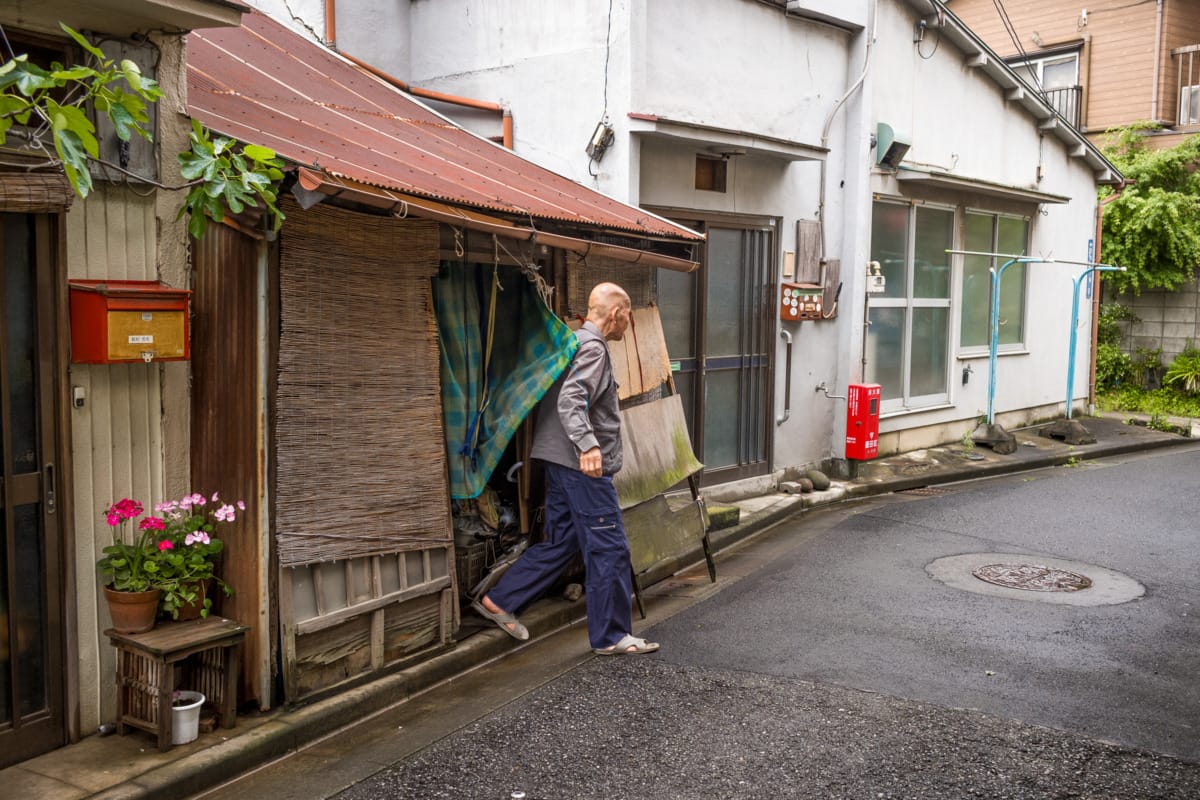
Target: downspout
[(825, 134), (1096, 295), (1158, 30), (331, 23), (428, 94)]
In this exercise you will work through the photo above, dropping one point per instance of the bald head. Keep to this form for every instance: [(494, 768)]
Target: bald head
[(608, 310)]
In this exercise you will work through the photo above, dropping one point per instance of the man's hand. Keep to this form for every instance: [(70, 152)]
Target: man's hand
[(591, 463)]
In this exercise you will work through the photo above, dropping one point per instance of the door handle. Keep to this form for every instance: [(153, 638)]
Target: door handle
[(48, 493)]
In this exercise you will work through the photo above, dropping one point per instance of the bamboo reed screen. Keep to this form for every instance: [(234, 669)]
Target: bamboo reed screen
[(359, 441), (583, 274)]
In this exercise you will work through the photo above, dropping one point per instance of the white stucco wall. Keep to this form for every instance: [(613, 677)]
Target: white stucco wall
[(959, 121), (737, 66), (743, 66)]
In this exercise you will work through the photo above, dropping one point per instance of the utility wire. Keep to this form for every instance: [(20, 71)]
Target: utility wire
[(1016, 40)]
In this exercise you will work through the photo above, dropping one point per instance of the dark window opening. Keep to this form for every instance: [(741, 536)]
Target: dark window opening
[(710, 173)]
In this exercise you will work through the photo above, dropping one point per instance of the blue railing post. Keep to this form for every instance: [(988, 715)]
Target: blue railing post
[(1074, 328), (995, 320)]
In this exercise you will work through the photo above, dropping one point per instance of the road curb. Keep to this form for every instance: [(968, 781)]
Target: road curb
[(293, 728)]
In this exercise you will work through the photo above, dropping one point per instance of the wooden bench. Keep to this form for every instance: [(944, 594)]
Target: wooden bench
[(198, 655)]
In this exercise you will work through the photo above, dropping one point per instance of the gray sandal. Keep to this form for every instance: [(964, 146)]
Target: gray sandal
[(507, 622)]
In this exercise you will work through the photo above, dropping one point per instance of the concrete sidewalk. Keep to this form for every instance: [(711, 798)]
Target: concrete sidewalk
[(131, 767)]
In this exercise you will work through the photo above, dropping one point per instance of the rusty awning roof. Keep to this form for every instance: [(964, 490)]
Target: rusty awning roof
[(263, 84)]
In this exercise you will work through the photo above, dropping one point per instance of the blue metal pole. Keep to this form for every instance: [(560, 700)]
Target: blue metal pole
[(1074, 328), (996, 275)]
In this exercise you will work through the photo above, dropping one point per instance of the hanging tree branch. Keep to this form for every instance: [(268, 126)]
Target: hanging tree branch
[(221, 175)]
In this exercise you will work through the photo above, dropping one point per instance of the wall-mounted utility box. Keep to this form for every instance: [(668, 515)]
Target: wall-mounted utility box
[(122, 322), (800, 301)]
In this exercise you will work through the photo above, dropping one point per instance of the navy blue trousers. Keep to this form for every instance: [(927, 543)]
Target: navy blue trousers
[(582, 515)]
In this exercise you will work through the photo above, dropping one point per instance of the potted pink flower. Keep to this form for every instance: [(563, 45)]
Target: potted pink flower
[(188, 530), (132, 567), (170, 559)]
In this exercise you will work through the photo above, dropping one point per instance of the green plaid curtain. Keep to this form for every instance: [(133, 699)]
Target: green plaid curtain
[(530, 349)]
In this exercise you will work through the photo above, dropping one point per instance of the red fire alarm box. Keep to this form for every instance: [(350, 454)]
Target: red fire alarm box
[(800, 301), (862, 421), (122, 322)]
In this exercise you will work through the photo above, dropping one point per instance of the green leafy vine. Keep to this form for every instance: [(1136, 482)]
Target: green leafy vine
[(46, 108), (1153, 227)]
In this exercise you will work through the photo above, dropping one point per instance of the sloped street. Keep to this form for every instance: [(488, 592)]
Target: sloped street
[(833, 661)]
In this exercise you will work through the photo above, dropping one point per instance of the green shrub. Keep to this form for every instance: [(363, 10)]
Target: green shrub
[(1167, 401), (1108, 323), (1114, 368), (1184, 372)]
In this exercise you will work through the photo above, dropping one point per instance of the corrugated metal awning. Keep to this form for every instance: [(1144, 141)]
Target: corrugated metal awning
[(404, 205), (263, 84)]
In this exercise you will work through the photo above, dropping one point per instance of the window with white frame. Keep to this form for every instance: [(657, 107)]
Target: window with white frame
[(1189, 105), (1051, 71), (992, 233), (908, 340), (1057, 77)]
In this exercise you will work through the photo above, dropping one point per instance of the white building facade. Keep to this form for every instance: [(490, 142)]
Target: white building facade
[(761, 123)]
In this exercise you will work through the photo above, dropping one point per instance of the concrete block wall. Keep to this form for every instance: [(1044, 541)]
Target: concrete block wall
[(1165, 319)]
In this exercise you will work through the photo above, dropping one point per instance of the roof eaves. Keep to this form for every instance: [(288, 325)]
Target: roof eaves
[(1016, 89)]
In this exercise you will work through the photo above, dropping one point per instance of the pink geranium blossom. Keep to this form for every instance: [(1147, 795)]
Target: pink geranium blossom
[(172, 550)]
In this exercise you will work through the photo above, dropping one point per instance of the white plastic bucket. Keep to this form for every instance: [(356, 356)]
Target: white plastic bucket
[(185, 716)]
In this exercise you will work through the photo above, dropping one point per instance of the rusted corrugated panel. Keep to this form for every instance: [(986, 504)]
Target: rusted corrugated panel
[(225, 455), (266, 85)]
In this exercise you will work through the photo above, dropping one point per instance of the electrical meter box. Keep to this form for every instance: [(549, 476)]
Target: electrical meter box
[(122, 322), (862, 421), (800, 301)]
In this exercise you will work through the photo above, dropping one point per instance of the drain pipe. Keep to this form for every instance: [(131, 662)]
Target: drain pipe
[(506, 119), (829, 124), (1158, 32), (787, 380)]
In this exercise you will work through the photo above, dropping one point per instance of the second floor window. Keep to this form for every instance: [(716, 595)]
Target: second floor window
[(1057, 78)]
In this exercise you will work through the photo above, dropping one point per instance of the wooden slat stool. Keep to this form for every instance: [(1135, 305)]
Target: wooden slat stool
[(152, 665)]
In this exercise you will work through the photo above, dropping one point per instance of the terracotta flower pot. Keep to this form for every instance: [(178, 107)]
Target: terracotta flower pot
[(132, 612)]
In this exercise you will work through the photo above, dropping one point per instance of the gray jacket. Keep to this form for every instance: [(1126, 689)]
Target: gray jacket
[(581, 409)]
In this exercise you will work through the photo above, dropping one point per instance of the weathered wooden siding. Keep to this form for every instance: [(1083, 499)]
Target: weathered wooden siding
[(116, 438), (226, 413), (1116, 67)]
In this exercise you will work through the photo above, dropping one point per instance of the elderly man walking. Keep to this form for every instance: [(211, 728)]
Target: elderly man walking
[(578, 439)]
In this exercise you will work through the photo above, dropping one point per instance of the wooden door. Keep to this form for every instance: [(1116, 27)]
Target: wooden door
[(718, 323), (31, 629)]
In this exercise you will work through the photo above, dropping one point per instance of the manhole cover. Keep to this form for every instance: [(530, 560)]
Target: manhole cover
[(1032, 577)]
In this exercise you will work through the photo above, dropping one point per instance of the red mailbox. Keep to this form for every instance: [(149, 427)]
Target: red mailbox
[(862, 421), (121, 322)]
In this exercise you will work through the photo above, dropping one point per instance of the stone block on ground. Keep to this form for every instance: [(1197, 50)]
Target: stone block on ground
[(820, 481)]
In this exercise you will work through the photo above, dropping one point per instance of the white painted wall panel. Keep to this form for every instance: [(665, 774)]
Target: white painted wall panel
[(959, 121), (116, 438)]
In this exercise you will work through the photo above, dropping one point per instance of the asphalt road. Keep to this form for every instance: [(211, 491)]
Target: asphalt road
[(837, 666)]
